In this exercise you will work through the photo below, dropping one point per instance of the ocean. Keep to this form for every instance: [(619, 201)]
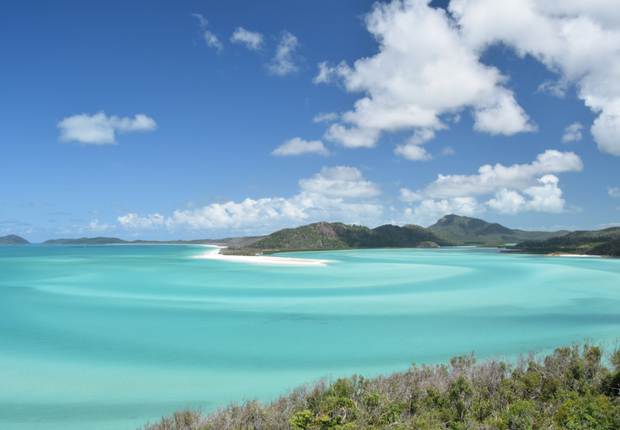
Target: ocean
[(109, 337)]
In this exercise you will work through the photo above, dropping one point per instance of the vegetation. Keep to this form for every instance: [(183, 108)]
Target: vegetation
[(337, 235), (601, 242), (476, 231), (573, 388), (12, 239)]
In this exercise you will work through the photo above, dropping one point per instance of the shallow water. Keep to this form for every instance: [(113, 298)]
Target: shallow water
[(108, 337)]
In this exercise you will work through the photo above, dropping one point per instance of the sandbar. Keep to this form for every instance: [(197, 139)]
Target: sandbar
[(260, 259)]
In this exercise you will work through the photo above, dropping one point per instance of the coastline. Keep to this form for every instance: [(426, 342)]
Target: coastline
[(263, 260)]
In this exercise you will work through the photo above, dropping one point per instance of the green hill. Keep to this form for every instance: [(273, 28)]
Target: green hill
[(337, 235), (477, 231), (599, 242), (12, 239)]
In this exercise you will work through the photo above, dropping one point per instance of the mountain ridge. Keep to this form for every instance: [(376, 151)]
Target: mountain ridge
[(476, 231)]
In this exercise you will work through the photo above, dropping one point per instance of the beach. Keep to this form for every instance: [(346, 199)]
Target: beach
[(260, 259)]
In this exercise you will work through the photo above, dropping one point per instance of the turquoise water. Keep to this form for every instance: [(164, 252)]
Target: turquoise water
[(108, 337)]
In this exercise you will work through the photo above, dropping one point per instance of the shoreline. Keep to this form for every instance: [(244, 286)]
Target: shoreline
[(262, 260)]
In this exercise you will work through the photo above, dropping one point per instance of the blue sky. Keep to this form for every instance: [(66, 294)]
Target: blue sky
[(206, 119)]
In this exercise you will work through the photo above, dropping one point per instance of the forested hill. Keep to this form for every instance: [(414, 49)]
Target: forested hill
[(600, 242), (337, 235), (12, 239), (477, 231)]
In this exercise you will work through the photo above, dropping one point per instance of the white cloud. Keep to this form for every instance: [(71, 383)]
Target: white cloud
[(572, 133), (203, 21), (447, 151), (353, 137), (412, 152), (492, 178), (100, 129), (338, 193), (424, 70), (546, 197), (340, 182), (412, 149), (252, 40), (613, 192), (325, 117), (428, 211), (284, 62), (515, 189), (142, 223), (210, 39), (408, 196), (577, 40), (94, 226), (265, 214), (297, 146)]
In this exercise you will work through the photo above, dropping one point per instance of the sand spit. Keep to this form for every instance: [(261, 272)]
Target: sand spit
[(263, 260)]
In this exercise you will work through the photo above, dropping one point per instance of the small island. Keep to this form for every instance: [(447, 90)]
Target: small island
[(13, 239)]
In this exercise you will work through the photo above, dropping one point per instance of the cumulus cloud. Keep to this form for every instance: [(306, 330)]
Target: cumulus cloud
[(613, 192), (491, 178), (210, 39), (264, 214), (545, 197), (428, 211), (336, 193), (572, 133), (298, 146), (412, 149), (515, 189), (252, 40), (579, 41), (96, 227), (325, 117), (424, 69), (284, 62), (340, 181), (412, 152), (147, 222), (100, 129)]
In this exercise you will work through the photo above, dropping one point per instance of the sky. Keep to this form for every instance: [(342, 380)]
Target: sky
[(209, 119)]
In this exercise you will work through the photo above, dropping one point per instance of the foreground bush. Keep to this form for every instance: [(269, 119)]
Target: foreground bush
[(568, 389)]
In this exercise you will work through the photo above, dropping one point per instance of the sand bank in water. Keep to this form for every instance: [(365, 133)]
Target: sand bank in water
[(265, 260)]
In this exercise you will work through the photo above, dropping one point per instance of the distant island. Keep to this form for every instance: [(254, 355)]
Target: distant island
[(601, 242), (238, 241), (12, 239), (474, 231), (450, 230)]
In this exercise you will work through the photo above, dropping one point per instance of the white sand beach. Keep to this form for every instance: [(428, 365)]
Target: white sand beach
[(260, 259)]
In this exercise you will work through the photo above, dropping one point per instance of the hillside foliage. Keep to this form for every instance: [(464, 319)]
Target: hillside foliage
[(600, 242), (337, 235), (477, 231), (571, 388)]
